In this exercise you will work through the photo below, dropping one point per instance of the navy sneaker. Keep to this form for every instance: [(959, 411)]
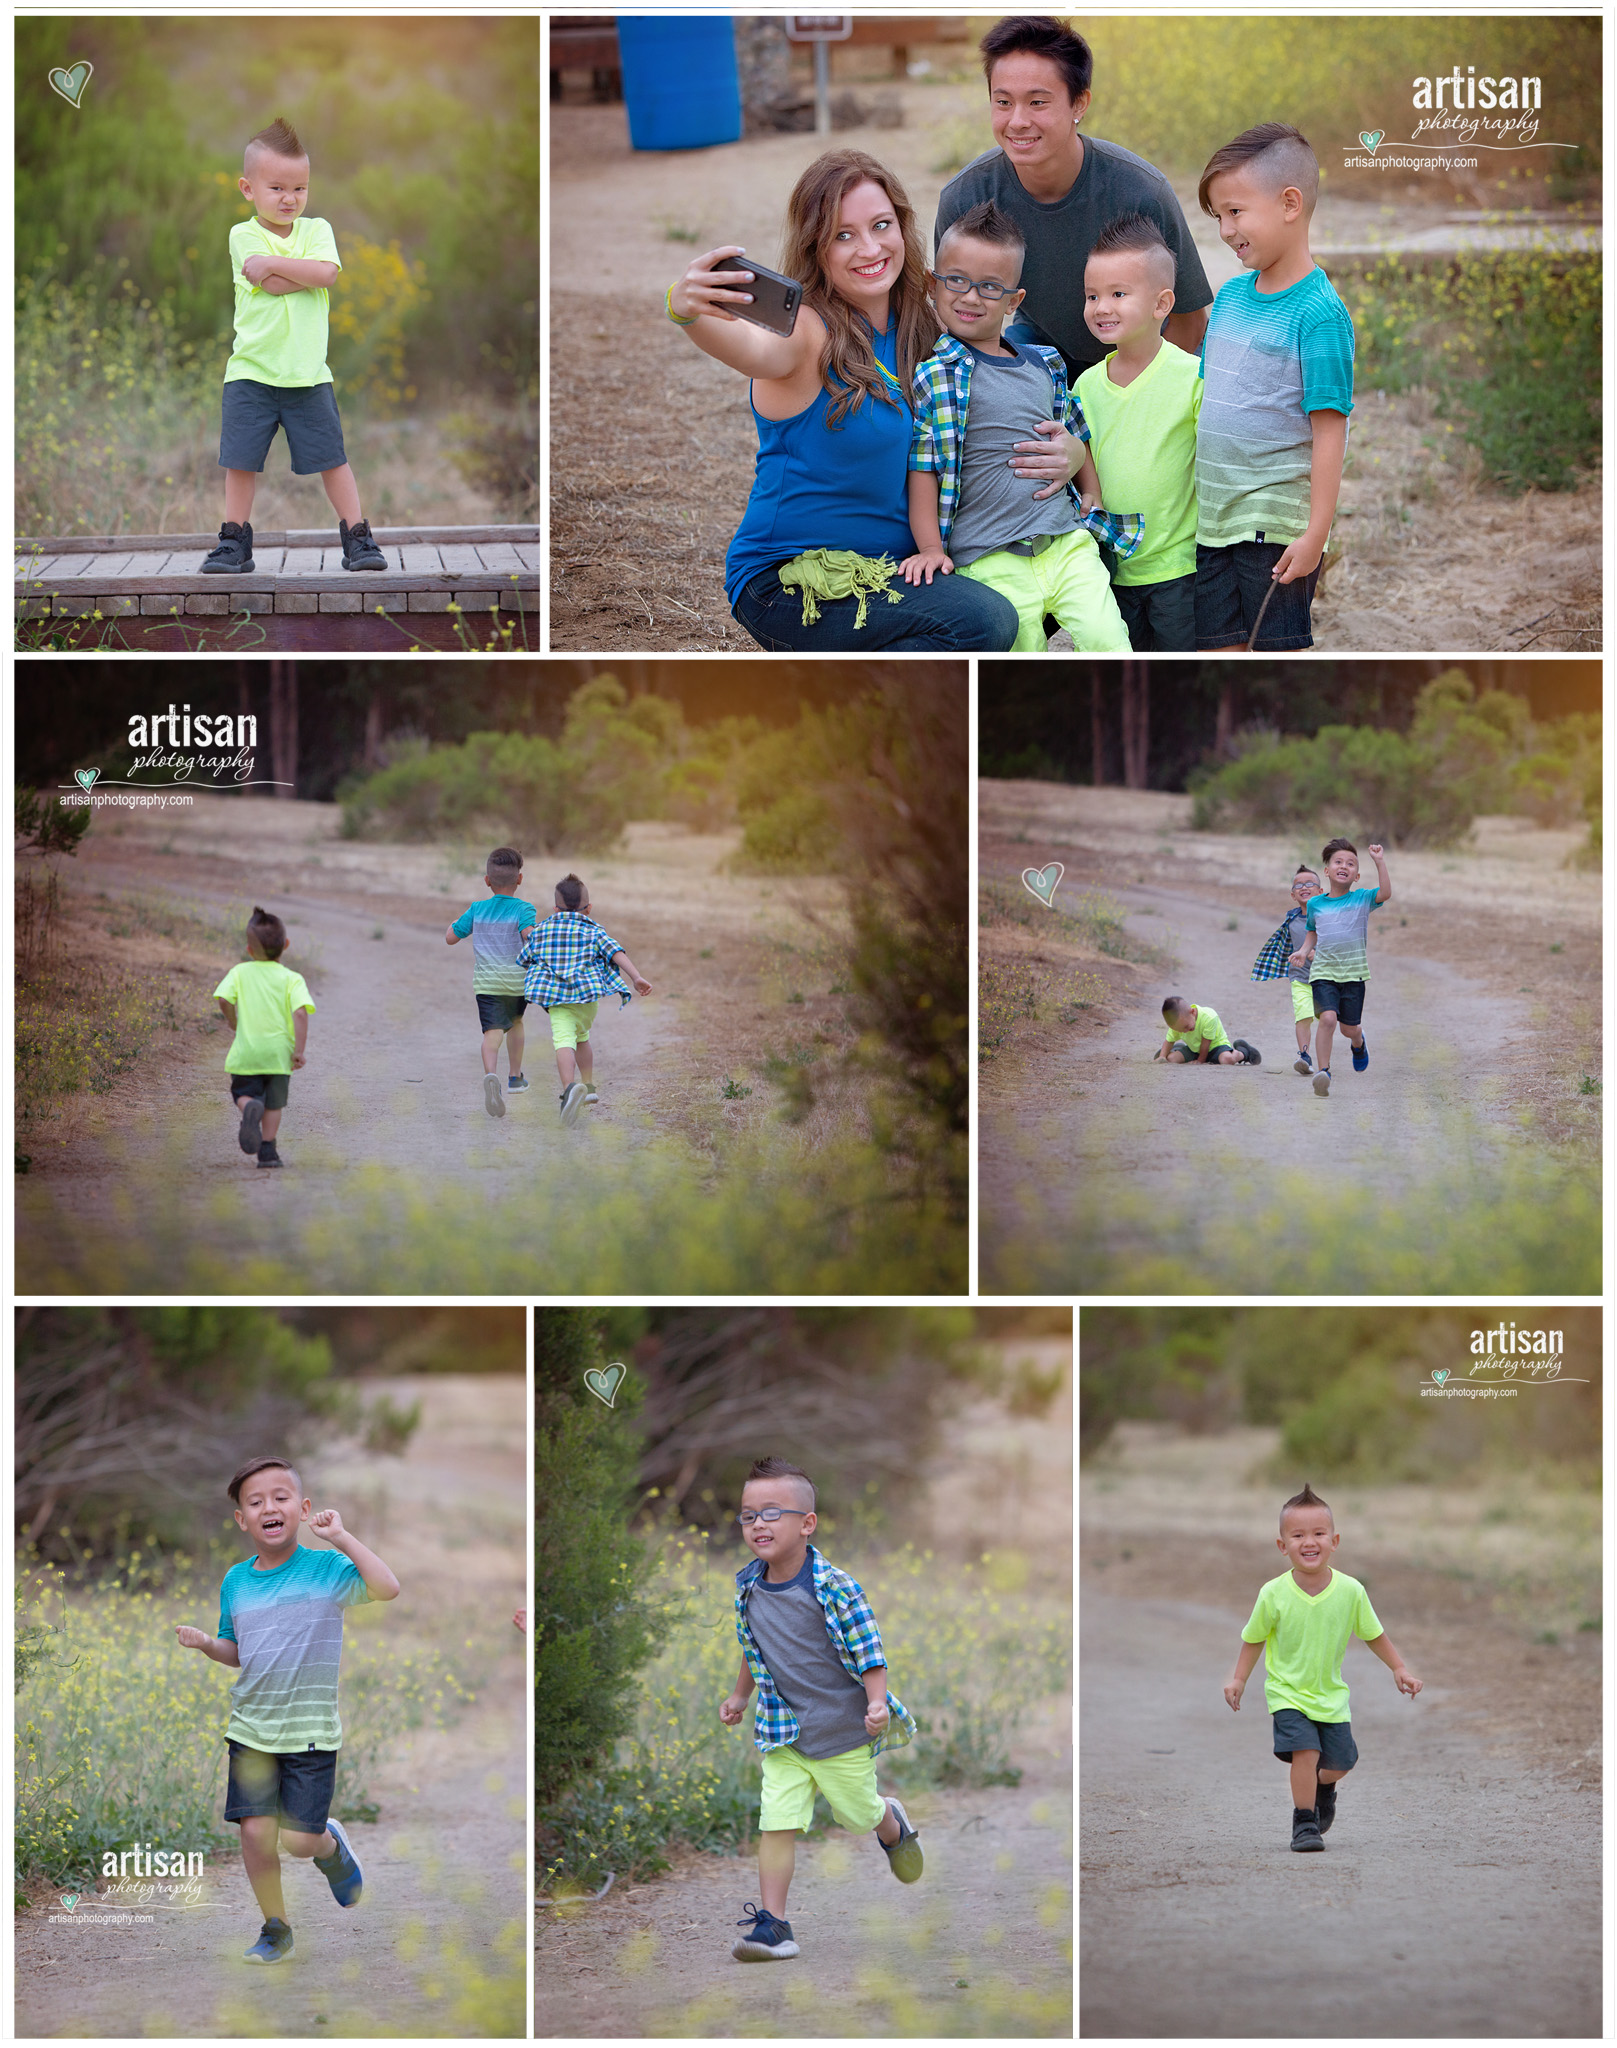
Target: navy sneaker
[(251, 1134), (1303, 1064), (359, 551), (273, 1944), (233, 553), (267, 1154), (767, 1940), (1305, 1831), (1325, 1809), (904, 1855), (516, 1084), (341, 1871), (1361, 1057)]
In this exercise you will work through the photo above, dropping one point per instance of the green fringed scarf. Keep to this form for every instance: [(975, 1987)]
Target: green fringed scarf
[(837, 572)]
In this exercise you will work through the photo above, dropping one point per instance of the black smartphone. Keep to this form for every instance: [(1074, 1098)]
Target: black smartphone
[(775, 299)]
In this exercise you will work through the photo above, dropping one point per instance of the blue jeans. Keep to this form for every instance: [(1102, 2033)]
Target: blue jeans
[(1231, 585), (949, 615)]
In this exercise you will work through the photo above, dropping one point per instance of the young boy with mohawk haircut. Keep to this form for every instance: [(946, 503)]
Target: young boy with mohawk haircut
[(280, 1625), (1302, 1624), (810, 1645), (283, 263)]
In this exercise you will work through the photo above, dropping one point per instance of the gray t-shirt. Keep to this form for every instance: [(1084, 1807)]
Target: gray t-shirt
[(996, 507), (1061, 233), (1297, 918), (789, 1624)]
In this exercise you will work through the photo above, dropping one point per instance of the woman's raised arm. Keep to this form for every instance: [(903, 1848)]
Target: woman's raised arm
[(700, 303)]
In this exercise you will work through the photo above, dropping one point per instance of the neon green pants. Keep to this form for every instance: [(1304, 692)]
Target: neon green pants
[(848, 1782), (1067, 580)]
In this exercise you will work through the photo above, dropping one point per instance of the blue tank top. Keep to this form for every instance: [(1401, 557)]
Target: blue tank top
[(828, 487)]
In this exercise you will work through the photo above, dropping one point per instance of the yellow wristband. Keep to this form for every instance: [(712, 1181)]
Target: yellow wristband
[(679, 319)]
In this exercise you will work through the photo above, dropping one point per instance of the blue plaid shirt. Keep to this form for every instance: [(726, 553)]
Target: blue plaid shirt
[(569, 960), (941, 394), (854, 1636)]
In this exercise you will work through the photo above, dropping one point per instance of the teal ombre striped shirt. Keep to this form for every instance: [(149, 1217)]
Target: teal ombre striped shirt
[(287, 1628)]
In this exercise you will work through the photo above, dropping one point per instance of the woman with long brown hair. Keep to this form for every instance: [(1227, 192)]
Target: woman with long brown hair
[(811, 564)]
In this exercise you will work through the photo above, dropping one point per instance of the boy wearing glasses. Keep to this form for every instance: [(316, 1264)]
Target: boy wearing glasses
[(980, 402), (810, 1644)]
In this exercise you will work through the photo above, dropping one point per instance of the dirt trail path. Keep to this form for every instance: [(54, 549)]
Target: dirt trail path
[(1458, 1894), (393, 1085), (1177, 1138), (444, 1864), (877, 1958)]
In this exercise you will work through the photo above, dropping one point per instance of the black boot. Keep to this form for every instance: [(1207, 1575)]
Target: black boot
[(359, 551), (1305, 1832), (234, 554)]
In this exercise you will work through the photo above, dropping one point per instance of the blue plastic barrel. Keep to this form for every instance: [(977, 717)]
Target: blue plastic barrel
[(680, 83)]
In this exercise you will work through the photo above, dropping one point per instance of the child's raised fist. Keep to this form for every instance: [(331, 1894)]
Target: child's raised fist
[(327, 1522)]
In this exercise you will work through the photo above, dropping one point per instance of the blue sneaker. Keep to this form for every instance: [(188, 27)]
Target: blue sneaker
[(1361, 1057), (274, 1943), (1303, 1064), (904, 1855), (516, 1084), (341, 1871), (767, 1940)]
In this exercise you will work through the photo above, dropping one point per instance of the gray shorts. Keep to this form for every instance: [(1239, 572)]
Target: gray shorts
[(251, 412)]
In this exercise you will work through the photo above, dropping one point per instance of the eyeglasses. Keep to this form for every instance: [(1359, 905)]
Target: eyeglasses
[(985, 288), (746, 1517)]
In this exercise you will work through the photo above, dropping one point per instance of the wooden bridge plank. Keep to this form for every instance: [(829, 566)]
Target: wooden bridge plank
[(385, 536)]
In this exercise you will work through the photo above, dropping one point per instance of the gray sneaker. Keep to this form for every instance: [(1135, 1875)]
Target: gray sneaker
[(572, 1103), (1322, 1081), (904, 1855), (493, 1100)]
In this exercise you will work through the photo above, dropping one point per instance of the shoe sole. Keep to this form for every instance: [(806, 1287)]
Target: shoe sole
[(1304, 1848), (251, 1134), (904, 1857), (264, 1165), (1303, 1067), (1322, 1084), (493, 1100), (339, 1834), (573, 1107), (1254, 1058), (760, 1952), (280, 1957), (365, 565), (246, 568)]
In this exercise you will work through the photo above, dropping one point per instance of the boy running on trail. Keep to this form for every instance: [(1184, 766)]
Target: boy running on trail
[(1336, 953), (810, 1645), (1301, 1626), (280, 1625), (268, 1007), (495, 930), (1278, 960), (571, 964)]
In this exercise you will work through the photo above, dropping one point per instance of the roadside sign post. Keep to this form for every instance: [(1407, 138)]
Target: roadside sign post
[(822, 30)]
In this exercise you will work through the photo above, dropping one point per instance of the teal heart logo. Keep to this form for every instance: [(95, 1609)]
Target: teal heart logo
[(71, 84), (1042, 882), (85, 777), (1441, 1374), (604, 1385), (1370, 137), (71, 1899)]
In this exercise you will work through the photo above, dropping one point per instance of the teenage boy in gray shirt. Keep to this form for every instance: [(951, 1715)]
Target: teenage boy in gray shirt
[(810, 1645)]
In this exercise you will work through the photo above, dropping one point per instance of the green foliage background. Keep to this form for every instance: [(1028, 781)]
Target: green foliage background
[(1354, 1412), (1464, 755)]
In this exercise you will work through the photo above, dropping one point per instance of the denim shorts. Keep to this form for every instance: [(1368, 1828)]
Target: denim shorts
[(1346, 998), (1333, 1739), (295, 1785), (250, 413), (1231, 584), (499, 1013), (270, 1089), (1161, 617)]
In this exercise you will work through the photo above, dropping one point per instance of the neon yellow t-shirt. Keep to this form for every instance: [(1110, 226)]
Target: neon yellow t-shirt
[(1143, 438), (265, 995), (280, 336), (1209, 1030), (1304, 1639)]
